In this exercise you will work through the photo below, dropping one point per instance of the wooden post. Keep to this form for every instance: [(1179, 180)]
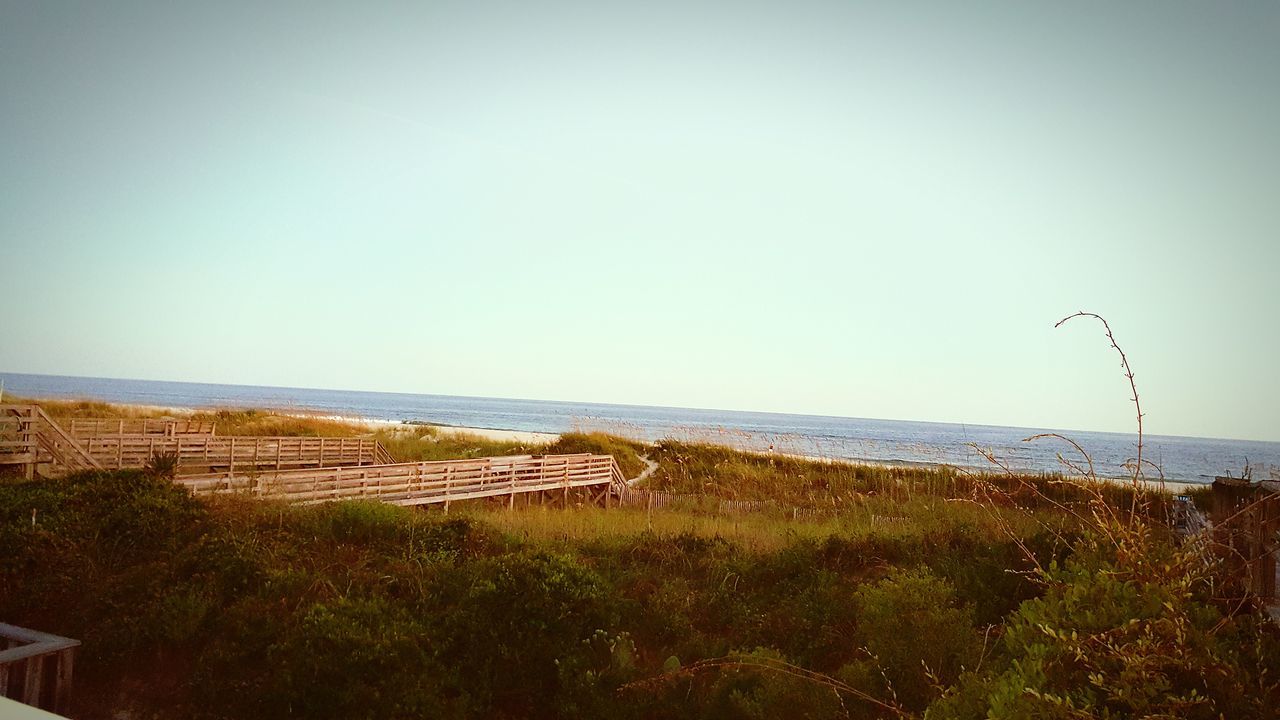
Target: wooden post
[(35, 674), (62, 687), (28, 445)]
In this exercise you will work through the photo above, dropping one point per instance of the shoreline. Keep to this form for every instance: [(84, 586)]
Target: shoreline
[(545, 438)]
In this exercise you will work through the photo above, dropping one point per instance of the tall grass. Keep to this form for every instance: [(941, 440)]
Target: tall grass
[(920, 517)]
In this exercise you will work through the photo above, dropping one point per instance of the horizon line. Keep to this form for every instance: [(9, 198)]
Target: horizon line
[(633, 405)]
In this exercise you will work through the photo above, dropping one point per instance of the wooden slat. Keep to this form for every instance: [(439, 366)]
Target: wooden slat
[(121, 451), (419, 483), (90, 427)]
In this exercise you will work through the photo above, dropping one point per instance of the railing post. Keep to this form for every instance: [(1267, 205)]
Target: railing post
[(62, 684), (29, 445), (35, 676)]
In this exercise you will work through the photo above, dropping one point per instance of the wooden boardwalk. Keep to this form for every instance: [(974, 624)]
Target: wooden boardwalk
[(207, 452), (30, 438), (595, 477), (298, 469)]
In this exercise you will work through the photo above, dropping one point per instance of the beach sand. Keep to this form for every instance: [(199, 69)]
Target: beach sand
[(520, 436)]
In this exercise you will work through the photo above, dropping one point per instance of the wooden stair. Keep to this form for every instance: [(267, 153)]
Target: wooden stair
[(29, 437)]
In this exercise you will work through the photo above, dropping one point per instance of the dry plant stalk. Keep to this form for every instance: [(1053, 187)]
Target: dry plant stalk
[(774, 665)]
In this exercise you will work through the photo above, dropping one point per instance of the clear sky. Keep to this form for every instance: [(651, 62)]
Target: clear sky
[(871, 210)]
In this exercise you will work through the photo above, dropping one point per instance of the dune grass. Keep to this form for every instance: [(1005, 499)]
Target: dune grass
[(768, 530)]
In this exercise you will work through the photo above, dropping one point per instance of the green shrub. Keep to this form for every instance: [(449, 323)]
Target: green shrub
[(515, 626), (1128, 628), (918, 638), (626, 452)]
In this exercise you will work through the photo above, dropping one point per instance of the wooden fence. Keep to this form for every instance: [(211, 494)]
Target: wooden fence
[(230, 451), (91, 427), (424, 483), (1246, 521), (35, 667)]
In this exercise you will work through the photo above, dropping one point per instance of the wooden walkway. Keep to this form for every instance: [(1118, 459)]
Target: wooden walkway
[(299, 469), (206, 452), (30, 438), (596, 477)]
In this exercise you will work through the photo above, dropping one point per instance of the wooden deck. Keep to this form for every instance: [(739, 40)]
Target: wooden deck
[(205, 452), (35, 667), (30, 438), (424, 483), (302, 469)]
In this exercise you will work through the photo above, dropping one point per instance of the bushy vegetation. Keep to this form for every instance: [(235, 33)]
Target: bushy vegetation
[(238, 608), (728, 473), (897, 592), (416, 443)]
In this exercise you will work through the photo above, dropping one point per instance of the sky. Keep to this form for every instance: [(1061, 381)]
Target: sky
[(858, 209)]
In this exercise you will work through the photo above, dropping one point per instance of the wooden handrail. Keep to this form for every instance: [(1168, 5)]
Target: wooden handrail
[(91, 427), (33, 653), (39, 439), (133, 451), (57, 436), (438, 481)]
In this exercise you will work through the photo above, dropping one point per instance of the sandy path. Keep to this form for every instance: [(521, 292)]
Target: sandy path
[(649, 468)]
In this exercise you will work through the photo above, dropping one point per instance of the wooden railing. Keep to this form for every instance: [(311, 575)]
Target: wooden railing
[(1246, 521), (230, 451), (29, 437), (422, 483), (92, 427), (18, 443), (35, 667)]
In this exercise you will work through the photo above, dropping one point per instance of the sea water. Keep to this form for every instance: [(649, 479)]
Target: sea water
[(1184, 459)]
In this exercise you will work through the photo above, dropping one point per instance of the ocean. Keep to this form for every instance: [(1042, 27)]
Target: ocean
[(1183, 459)]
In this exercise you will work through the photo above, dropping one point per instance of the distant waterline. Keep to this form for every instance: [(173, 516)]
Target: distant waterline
[(887, 441)]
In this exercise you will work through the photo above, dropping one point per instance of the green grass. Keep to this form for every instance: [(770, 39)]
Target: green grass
[(766, 531), (417, 443), (723, 472)]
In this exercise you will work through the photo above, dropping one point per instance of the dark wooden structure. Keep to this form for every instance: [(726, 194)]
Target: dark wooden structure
[(1246, 520), (35, 667)]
